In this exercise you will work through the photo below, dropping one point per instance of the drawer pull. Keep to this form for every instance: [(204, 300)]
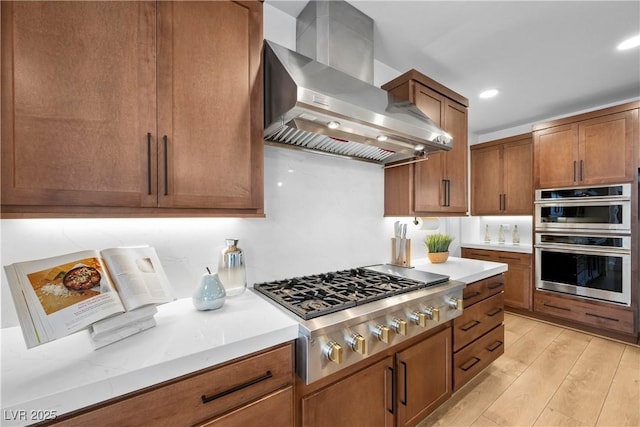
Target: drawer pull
[(556, 307), (496, 285), (597, 316), (471, 295), (496, 345), (207, 399), (494, 312), (481, 255), (512, 258), (468, 365), (469, 325)]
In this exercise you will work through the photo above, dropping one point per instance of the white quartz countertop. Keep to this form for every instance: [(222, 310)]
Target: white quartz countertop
[(67, 374), (462, 269)]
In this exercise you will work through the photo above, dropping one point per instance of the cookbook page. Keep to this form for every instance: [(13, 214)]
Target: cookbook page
[(138, 276), (64, 294)]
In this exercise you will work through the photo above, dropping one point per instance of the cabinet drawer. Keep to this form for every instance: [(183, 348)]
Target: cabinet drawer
[(482, 289), (513, 258), (600, 316), (182, 402), (478, 320), (277, 407), (480, 254), (497, 256), (469, 361)]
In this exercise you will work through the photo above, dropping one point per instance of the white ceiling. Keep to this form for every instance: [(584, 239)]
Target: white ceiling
[(547, 58)]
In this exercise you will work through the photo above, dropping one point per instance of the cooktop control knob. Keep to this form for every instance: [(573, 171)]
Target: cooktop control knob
[(418, 318), (333, 351), (358, 343), (455, 303), (383, 333), (432, 313), (400, 326)]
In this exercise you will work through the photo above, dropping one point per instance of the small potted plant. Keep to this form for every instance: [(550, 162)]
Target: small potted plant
[(438, 247)]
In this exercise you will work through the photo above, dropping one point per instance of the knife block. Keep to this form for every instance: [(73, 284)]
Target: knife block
[(397, 259)]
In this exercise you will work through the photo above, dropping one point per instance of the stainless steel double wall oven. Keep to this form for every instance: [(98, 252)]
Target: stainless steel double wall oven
[(583, 241)]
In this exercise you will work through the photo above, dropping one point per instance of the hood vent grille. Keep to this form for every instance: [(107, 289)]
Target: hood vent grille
[(303, 139)]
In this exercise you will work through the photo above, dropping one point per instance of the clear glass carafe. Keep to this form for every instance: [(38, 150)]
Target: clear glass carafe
[(231, 269)]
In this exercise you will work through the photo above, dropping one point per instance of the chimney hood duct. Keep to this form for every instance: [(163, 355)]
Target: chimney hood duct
[(310, 105)]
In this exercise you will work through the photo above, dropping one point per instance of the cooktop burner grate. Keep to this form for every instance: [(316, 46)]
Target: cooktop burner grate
[(317, 295)]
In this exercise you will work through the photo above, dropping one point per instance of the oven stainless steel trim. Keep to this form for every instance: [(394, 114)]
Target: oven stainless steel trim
[(585, 199), (626, 193), (624, 227), (623, 297)]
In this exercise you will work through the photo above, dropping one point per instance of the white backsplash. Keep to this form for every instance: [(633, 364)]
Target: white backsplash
[(472, 229), (323, 213)]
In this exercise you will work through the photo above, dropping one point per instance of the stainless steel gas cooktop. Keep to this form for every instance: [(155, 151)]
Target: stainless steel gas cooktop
[(317, 295), (346, 316)]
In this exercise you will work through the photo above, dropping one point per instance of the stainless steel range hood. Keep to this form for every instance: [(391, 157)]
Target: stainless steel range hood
[(312, 106)]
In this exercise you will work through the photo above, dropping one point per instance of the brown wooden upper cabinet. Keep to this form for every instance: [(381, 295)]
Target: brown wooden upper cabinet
[(592, 148), (110, 107), (502, 177), (437, 185)]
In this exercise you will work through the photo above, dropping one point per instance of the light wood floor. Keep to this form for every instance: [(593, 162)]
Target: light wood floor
[(549, 376)]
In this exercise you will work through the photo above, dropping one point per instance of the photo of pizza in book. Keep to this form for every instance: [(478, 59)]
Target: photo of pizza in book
[(68, 284)]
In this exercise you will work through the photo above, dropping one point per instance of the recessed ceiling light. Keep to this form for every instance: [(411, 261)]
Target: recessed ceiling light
[(381, 137), (333, 125), (630, 43), (490, 93)]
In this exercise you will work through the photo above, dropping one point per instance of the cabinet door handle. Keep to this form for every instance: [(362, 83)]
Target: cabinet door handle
[(469, 364), (393, 390), (581, 169), (444, 192), (504, 202), (496, 345), (469, 325), (448, 192), (512, 258), (556, 307), (166, 165), (266, 376), (574, 171), (404, 393), (494, 312), (148, 162)]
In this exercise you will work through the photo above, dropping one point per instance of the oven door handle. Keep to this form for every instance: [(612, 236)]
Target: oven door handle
[(581, 249)]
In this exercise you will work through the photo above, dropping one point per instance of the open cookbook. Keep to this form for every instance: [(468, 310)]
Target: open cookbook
[(61, 295)]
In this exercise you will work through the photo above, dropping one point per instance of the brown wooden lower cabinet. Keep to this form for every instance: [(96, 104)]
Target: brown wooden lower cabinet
[(600, 315), (400, 388), (362, 399), (518, 284), (468, 362), (478, 335), (424, 378), (249, 391)]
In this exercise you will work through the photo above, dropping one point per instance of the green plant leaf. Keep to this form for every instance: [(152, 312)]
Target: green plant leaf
[(438, 242)]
